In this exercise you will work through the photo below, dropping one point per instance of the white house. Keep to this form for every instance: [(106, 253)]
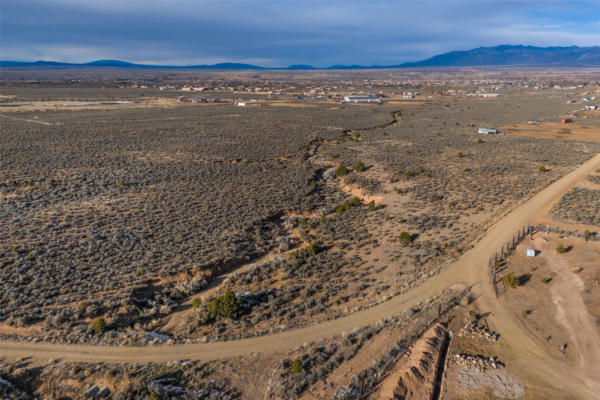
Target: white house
[(530, 252)]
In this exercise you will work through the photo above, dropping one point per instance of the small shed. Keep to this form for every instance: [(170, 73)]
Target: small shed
[(487, 131), (566, 120), (531, 252)]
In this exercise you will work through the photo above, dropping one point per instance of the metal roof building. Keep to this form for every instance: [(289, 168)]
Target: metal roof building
[(370, 98)]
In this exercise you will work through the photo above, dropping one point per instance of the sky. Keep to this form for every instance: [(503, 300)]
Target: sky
[(276, 33)]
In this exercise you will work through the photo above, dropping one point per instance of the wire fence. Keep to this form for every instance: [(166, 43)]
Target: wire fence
[(495, 262)]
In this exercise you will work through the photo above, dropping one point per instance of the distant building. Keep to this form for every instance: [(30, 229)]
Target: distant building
[(531, 252), (370, 98), (486, 131), (566, 120)]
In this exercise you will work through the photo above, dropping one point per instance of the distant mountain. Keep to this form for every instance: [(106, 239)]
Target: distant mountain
[(572, 56), (121, 64), (504, 55), (301, 67)]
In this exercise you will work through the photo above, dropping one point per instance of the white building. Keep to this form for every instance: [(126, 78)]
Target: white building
[(530, 252), (486, 131), (370, 98)]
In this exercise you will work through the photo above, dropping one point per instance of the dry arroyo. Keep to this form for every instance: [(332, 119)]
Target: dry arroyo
[(470, 269)]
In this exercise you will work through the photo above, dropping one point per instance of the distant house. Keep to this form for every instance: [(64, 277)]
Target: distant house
[(486, 131), (370, 98), (240, 104), (566, 120), (531, 252)]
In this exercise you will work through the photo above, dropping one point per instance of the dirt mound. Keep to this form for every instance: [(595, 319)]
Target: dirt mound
[(415, 376)]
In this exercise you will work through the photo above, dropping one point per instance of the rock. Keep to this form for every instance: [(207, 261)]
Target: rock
[(104, 392), (92, 391)]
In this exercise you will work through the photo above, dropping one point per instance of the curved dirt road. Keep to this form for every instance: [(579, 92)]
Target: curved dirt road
[(471, 269)]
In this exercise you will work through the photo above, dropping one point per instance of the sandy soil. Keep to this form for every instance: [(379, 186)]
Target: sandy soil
[(555, 130), (569, 311)]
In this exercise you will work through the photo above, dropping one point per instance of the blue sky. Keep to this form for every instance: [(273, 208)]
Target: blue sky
[(284, 32)]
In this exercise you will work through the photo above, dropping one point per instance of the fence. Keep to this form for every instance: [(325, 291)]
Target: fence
[(494, 262)]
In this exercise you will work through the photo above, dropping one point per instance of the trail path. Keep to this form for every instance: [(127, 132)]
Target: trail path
[(470, 269), (572, 313)]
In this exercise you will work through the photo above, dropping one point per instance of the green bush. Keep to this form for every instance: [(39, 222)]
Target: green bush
[(410, 174), (312, 248), (226, 305), (99, 325), (587, 235), (296, 366), (561, 249), (341, 170), (197, 302), (405, 238), (359, 167), (212, 307), (542, 168), (83, 306), (341, 209), (345, 206), (372, 206), (510, 280)]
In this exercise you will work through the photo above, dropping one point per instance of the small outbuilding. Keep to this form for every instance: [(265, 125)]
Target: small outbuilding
[(370, 98), (566, 120), (531, 252), (486, 131)]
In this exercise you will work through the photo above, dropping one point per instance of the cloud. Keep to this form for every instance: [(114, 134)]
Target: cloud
[(283, 32)]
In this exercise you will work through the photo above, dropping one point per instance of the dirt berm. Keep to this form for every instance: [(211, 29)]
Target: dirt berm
[(415, 375)]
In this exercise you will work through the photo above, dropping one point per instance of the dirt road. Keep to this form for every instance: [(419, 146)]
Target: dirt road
[(572, 313), (470, 269)]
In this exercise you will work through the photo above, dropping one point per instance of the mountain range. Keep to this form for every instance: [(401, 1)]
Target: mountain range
[(503, 55)]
